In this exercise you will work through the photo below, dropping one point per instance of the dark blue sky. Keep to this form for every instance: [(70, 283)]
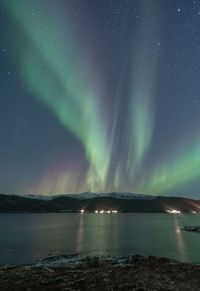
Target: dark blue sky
[(100, 96)]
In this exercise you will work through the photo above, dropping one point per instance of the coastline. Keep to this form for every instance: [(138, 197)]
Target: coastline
[(74, 272)]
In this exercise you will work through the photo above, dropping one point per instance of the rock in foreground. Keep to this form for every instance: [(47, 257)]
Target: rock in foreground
[(93, 273)]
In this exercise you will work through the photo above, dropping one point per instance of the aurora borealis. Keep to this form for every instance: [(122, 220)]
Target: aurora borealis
[(100, 96)]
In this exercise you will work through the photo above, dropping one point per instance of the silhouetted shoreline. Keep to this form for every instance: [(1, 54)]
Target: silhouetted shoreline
[(63, 204)]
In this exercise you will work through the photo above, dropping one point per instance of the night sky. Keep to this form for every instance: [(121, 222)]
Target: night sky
[(100, 95)]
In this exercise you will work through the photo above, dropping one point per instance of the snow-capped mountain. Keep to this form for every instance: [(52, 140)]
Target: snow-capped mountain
[(90, 195)]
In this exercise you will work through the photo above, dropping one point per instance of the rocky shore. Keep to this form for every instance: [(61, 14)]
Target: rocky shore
[(191, 228), (93, 273)]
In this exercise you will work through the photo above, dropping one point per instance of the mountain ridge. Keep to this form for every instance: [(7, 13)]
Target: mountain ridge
[(61, 203), (89, 195)]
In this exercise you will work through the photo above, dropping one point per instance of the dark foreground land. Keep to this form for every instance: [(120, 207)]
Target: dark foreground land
[(91, 273)]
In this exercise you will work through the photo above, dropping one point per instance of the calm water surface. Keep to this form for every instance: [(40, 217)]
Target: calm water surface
[(25, 238)]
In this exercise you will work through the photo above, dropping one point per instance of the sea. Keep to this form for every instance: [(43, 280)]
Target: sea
[(26, 238)]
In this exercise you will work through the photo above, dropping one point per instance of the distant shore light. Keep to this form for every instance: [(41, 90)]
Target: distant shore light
[(105, 211), (174, 211)]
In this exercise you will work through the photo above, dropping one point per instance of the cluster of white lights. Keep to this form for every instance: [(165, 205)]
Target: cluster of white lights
[(100, 211), (105, 211), (174, 211)]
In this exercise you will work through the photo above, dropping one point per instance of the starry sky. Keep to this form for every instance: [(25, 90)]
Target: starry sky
[(100, 95)]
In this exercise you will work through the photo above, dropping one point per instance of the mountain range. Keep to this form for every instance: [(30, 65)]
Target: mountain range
[(89, 202), (89, 195)]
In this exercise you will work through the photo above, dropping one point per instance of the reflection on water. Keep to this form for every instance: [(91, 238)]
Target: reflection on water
[(95, 231), (179, 238), (80, 234), (28, 237)]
